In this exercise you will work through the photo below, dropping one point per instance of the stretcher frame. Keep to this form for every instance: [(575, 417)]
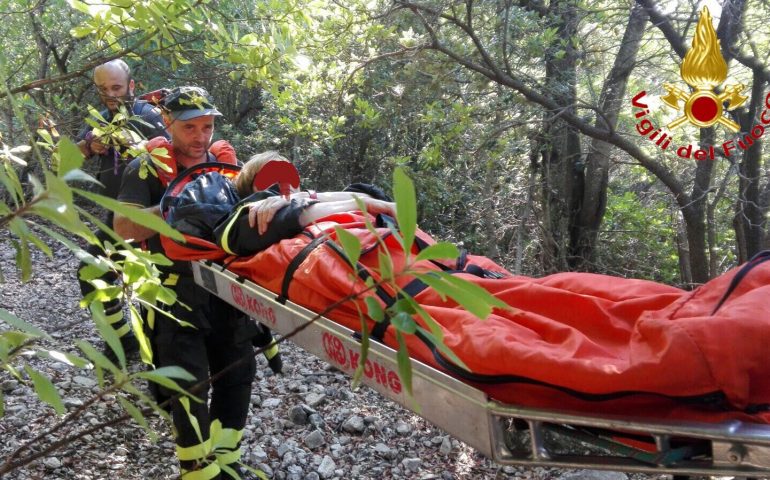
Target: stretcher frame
[(507, 434)]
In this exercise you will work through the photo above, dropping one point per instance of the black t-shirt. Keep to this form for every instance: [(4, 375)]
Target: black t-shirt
[(111, 165)]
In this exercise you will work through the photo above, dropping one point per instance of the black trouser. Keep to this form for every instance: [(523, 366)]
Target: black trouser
[(222, 337), (113, 309)]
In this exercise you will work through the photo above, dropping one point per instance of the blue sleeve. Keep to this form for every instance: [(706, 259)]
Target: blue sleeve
[(151, 116)]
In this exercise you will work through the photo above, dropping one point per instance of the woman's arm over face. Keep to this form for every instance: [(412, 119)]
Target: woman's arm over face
[(277, 219), (320, 210)]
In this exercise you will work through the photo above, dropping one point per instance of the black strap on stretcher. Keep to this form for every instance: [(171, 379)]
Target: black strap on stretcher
[(755, 261), (294, 265)]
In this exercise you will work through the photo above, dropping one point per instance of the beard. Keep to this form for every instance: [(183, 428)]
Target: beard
[(193, 151)]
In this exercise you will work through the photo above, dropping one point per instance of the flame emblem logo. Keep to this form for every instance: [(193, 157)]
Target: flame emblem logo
[(703, 69)]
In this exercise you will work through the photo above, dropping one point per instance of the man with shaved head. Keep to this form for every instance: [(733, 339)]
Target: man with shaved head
[(109, 140)]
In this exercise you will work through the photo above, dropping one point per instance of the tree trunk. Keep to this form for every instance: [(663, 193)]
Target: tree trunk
[(711, 222), (695, 214), (751, 217), (598, 159), (534, 155), (684, 254), (491, 189), (562, 173)]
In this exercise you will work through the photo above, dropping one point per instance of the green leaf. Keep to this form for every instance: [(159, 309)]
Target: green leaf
[(174, 372), (145, 350), (78, 175), (38, 189), (374, 309), (136, 215), (168, 383), (404, 322), (45, 390), (403, 305), (46, 136), (23, 258), (434, 326), (42, 246), (58, 207), (229, 471), (386, 265), (133, 271), (15, 338), (70, 156), (136, 414), (472, 297), (406, 206), (10, 180), (441, 346), (92, 271), (106, 331), (404, 364), (96, 356), (66, 358), (74, 247), (16, 322), (60, 193), (130, 388), (81, 31), (350, 244), (193, 420), (438, 251), (364, 354)]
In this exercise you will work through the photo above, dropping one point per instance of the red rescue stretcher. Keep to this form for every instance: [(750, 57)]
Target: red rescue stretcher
[(507, 433)]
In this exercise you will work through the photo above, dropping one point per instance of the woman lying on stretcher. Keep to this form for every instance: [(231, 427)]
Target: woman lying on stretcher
[(304, 207), (209, 207), (570, 341)]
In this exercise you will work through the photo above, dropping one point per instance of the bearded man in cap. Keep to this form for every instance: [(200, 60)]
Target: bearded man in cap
[(220, 335), (109, 145)]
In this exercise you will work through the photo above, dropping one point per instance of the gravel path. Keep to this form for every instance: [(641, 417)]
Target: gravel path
[(304, 425)]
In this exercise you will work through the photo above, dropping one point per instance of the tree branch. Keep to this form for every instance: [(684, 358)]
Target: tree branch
[(663, 23), (658, 169)]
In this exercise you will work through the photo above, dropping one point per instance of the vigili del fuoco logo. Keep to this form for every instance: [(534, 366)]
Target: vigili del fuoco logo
[(703, 69)]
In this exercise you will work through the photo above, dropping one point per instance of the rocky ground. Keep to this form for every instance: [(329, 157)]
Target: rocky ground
[(306, 424)]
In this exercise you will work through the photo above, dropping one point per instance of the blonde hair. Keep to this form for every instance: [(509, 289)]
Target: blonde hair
[(245, 178)]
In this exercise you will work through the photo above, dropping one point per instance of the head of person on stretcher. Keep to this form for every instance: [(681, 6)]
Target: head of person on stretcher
[(320, 204)]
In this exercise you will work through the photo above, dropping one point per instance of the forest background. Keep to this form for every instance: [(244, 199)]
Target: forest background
[(514, 118)]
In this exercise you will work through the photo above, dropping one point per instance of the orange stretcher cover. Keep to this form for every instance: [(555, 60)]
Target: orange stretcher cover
[(590, 333)]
